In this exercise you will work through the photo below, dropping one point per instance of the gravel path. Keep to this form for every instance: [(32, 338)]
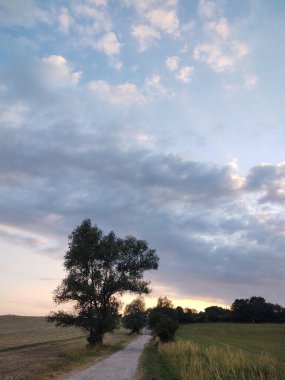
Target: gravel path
[(120, 366)]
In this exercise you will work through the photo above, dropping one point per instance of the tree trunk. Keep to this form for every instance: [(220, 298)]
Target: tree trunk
[(95, 338)]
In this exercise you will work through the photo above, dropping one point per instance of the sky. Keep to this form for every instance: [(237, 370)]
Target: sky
[(161, 119)]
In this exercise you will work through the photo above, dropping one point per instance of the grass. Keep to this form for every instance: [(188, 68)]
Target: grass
[(219, 351), (254, 338), (22, 332), (31, 348)]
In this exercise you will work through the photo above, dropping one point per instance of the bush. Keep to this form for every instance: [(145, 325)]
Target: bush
[(165, 329)]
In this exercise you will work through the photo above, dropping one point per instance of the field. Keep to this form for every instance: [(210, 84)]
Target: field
[(223, 351), (31, 348)]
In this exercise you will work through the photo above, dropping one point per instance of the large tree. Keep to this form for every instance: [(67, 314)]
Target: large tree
[(99, 268)]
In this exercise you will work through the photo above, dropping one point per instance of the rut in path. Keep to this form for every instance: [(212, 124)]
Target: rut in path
[(120, 366)]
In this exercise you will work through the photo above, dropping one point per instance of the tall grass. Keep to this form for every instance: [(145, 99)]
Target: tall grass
[(189, 361)]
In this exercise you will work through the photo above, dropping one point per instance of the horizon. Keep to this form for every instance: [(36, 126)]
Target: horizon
[(160, 119)]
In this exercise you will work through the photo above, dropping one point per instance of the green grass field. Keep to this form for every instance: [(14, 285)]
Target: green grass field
[(254, 338), (224, 351), (31, 348)]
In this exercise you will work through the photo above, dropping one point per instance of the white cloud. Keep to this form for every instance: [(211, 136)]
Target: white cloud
[(139, 5), (213, 55), (221, 28), (100, 19), (142, 6), (98, 3), (221, 51), (57, 71), (220, 57), (64, 20), (165, 20), (155, 17), (239, 49), (125, 94), (250, 81), (115, 63), (172, 63), (109, 44), (207, 8), (87, 11), (184, 74), (145, 35), (154, 84)]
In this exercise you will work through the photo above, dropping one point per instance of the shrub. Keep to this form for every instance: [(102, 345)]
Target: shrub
[(165, 329)]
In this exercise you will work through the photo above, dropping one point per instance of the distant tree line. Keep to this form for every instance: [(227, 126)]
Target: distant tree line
[(164, 318), (251, 310)]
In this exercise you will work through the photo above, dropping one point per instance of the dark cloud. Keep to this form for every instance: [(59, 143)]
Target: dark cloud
[(68, 158), (269, 180)]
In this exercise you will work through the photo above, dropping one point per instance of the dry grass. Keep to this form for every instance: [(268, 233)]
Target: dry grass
[(16, 332), (32, 349), (189, 361)]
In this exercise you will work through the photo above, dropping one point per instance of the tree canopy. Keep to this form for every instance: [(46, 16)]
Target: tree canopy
[(99, 268), (256, 309), (135, 315), (163, 320)]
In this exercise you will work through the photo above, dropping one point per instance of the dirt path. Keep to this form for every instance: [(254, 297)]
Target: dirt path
[(120, 366)]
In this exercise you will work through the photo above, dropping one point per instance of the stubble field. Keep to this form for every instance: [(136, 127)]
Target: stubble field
[(31, 348)]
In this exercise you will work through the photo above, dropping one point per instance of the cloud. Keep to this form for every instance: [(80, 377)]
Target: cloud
[(154, 85), (13, 114), (219, 57), (93, 27), (22, 238), (154, 18), (108, 44), (222, 50), (165, 20), (98, 3), (198, 216), (214, 56), (239, 49), (22, 14), (142, 6), (250, 81), (184, 74), (71, 150), (93, 13), (207, 8), (145, 35), (221, 28), (125, 94), (57, 71), (268, 181), (64, 20), (172, 63)]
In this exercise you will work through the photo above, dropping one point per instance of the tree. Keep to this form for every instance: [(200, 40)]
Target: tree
[(163, 311), (184, 315), (164, 302), (135, 315), (99, 268), (217, 314), (256, 309), (165, 329)]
